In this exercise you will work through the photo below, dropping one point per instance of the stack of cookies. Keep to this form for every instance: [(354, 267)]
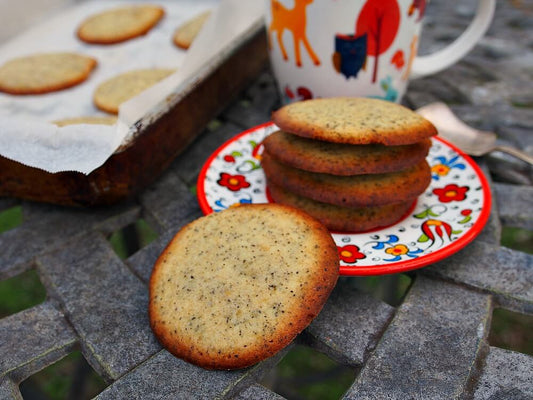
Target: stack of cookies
[(355, 164)]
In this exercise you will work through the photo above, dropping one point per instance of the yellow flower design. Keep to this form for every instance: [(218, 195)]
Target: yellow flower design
[(397, 250), (440, 169)]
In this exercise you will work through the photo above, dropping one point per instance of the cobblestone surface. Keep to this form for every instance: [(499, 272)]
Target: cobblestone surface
[(433, 345)]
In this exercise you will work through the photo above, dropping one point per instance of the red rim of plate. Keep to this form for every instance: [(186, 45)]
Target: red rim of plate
[(396, 267)]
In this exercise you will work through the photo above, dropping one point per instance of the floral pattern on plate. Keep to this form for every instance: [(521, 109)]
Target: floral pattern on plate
[(446, 217)]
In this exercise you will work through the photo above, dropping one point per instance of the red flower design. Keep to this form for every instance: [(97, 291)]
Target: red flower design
[(350, 253), (451, 192), (233, 182)]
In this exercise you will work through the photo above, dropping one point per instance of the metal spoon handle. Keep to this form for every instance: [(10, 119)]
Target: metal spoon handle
[(515, 152)]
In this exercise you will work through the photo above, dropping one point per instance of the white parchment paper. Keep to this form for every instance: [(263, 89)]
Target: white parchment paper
[(27, 134)]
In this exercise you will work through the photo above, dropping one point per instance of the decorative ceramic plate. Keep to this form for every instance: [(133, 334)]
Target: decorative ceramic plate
[(445, 218)]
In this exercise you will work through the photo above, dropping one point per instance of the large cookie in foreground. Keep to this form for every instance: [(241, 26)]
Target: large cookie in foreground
[(235, 287), (350, 191), (343, 219), (119, 24), (343, 159), (45, 72), (354, 120)]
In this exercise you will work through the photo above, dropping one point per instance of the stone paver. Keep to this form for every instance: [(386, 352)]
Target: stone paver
[(33, 339), (507, 375), (429, 349), (104, 302), (167, 377), (349, 325)]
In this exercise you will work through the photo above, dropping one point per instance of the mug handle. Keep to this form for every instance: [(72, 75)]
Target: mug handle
[(432, 63)]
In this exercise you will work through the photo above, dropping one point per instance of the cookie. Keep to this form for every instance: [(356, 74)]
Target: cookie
[(354, 120), (119, 24), (233, 288), (185, 34), (93, 120), (110, 94), (45, 72), (343, 219), (350, 191), (343, 159)]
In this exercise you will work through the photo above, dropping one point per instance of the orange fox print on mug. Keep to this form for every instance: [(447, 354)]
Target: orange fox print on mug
[(367, 48)]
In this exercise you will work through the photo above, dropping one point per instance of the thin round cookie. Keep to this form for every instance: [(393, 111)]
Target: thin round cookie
[(44, 72), (90, 119), (354, 120), (233, 288), (350, 191), (185, 34), (119, 24), (110, 94), (343, 159), (343, 219)]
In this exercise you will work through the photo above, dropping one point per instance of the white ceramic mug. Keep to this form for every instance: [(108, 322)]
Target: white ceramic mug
[(365, 48)]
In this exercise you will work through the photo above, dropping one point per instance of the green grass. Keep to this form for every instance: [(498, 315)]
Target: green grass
[(69, 378), (389, 288), (142, 233), (307, 374), (512, 331), (10, 218), (20, 292), (517, 239)]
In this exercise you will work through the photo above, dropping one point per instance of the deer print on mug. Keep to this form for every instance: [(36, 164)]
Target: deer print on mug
[(295, 21), (363, 48)]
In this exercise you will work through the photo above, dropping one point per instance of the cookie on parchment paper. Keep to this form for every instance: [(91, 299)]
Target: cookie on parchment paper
[(343, 159), (45, 72), (233, 288), (119, 24), (185, 34), (90, 119), (354, 120), (353, 190), (343, 219), (109, 95)]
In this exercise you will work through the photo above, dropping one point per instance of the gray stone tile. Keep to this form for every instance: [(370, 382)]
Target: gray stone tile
[(167, 377), (143, 261), (104, 301), (244, 115), (258, 392), (506, 273), (420, 93), (349, 325), (515, 204), (492, 231), (9, 390), (507, 375), (430, 347), (168, 203), (32, 339), (6, 203), (257, 103), (189, 164), (46, 228), (263, 94)]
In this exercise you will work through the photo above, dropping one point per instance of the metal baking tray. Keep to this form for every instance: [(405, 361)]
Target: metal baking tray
[(156, 140)]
